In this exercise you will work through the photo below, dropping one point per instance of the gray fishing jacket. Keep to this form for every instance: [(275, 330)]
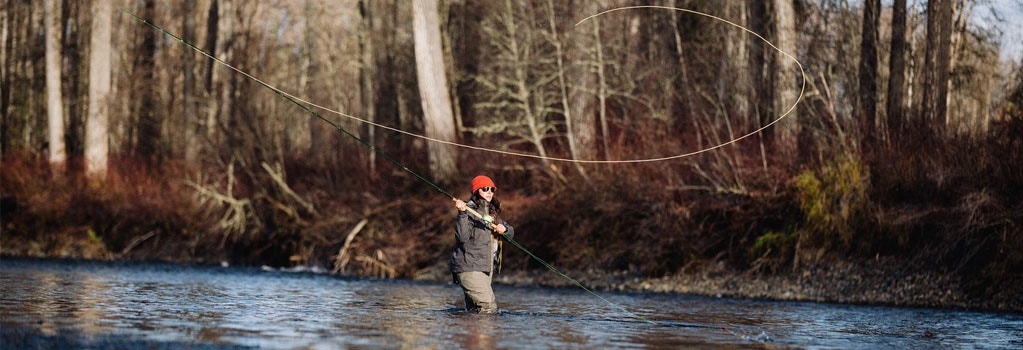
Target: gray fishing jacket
[(474, 247)]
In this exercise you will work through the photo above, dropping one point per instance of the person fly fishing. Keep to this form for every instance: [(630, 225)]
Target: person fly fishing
[(477, 251)]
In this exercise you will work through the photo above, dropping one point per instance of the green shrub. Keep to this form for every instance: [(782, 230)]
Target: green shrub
[(835, 204), (774, 241)]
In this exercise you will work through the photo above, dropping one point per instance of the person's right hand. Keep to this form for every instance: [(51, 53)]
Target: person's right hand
[(460, 205)]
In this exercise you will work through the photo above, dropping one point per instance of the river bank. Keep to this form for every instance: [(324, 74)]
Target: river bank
[(881, 281), (877, 282)]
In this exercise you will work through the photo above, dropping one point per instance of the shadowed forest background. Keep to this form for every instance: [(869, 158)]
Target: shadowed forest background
[(903, 152)]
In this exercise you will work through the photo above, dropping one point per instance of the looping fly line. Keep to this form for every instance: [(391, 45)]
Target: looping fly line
[(528, 155), (802, 89)]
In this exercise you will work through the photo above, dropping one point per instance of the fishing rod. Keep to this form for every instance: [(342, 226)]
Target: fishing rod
[(383, 154)]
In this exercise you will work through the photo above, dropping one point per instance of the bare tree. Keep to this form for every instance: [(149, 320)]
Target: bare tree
[(148, 124), (937, 59), (520, 82), (433, 88), (869, 38), (577, 102), (969, 99), (578, 80), (20, 96), (733, 89), (304, 135), (367, 72), (213, 28), (786, 81), (189, 113), (97, 127), (897, 71), (5, 81), (74, 71), (54, 97)]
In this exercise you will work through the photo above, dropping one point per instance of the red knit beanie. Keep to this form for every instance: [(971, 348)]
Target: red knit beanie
[(481, 182)]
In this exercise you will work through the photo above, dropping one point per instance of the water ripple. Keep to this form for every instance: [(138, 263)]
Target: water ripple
[(84, 304)]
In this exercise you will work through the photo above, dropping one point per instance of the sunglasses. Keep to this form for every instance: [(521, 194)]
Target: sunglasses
[(488, 189)]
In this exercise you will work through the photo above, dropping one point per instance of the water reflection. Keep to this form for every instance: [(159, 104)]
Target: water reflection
[(481, 331), (48, 304)]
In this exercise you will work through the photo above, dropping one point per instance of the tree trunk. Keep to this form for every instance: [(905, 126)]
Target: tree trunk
[(212, 22), (897, 69), (213, 29), (367, 74), (54, 97), (761, 93), (576, 101), (961, 12), (733, 88), (97, 127), (74, 42), (303, 136), (937, 58), (786, 76), (20, 99), (149, 123), (189, 116), (868, 72), (582, 81), (5, 83), (433, 88)]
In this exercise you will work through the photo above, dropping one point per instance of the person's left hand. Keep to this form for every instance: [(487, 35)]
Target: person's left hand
[(500, 228)]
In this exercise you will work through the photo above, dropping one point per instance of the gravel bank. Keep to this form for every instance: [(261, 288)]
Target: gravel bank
[(870, 283)]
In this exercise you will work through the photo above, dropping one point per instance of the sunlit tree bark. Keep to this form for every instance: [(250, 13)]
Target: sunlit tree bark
[(433, 90), (97, 127), (367, 73), (54, 97), (582, 76), (582, 67), (786, 83)]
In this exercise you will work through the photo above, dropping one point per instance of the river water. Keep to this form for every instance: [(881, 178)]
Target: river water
[(61, 304)]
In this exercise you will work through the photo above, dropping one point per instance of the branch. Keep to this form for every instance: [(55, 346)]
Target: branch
[(342, 259), (278, 178)]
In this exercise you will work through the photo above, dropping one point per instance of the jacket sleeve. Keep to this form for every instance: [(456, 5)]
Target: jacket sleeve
[(463, 226), (510, 232)]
